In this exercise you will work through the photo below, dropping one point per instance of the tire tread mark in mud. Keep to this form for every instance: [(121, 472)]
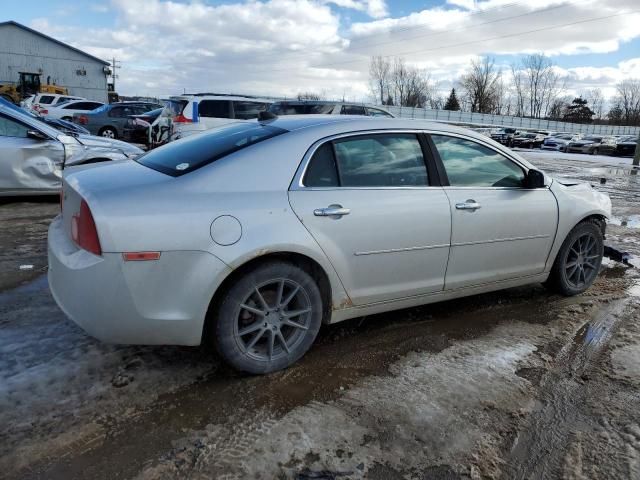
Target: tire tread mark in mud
[(539, 447)]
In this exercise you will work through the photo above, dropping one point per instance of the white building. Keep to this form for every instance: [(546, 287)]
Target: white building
[(23, 49)]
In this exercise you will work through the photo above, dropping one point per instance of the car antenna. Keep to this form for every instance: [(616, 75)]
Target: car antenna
[(265, 116)]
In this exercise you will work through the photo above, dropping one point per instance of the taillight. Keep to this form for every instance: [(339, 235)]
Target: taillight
[(83, 120), (181, 119), (83, 230), (44, 111)]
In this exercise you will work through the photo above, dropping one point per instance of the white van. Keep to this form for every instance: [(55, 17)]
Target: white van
[(189, 114)]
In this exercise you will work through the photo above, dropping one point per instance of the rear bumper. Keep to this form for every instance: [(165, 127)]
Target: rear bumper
[(161, 302)]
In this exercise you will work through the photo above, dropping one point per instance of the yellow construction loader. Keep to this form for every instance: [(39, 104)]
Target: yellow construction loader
[(28, 84)]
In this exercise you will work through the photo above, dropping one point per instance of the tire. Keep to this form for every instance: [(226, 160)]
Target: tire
[(583, 247), (595, 151), (108, 132), (257, 304), (68, 119)]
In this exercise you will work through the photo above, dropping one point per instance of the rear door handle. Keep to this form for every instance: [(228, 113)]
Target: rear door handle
[(332, 211), (468, 205)]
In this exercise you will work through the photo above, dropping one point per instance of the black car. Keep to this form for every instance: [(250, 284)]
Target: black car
[(528, 140), (620, 147), (136, 130), (504, 136)]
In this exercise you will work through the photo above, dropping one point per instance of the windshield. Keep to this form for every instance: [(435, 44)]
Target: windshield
[(593, 139), (102, 108), (191, 153)]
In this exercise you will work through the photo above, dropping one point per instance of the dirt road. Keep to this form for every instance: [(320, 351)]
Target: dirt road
[(514, 384)]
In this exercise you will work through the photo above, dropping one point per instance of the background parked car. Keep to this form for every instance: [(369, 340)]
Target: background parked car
[(33, 154), (66, 110), (313, 107), (624, 146), (504, 136), (558, 142), (136, 129), (189, 114), (589, 144), (528, 140), (47, 100), (57, 123), (109, 120)]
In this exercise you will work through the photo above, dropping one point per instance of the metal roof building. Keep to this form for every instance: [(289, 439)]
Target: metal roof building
[(23, 49)]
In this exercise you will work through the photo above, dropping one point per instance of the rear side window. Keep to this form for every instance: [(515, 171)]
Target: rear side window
[(469, 164), (301, 108), (352, 110), (384, 160), (248, 110), (193, 152), (375, 112), (214, 108), (46, 99)]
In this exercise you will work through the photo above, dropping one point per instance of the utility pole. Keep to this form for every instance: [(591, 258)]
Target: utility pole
[(114, 64)]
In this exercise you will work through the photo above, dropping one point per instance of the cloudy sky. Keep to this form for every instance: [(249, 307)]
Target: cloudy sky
[(282, 47)]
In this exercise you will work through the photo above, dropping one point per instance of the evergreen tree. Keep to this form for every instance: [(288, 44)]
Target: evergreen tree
[(578, 111), (452, 101)]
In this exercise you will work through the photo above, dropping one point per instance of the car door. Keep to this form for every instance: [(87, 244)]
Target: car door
[(381, 219), (500, 229), (27, 164)]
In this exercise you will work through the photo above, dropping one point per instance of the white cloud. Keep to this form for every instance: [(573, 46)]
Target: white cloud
[(281, 47)]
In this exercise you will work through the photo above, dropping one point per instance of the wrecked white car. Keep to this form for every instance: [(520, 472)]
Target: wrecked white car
[(33, 154)]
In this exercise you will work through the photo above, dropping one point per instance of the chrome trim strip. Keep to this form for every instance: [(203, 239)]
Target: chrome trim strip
[(464, 244), (395, 250)]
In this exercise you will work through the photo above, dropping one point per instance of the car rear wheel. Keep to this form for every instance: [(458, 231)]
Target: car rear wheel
[(108, 132), (595, 151), (68, 119), (268, 319), (578, 261)]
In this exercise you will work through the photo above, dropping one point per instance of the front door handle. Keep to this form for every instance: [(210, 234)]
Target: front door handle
[(332, 211), (468, 205)]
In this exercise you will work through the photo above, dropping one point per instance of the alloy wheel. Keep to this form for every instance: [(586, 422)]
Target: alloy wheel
[(272, 319), (581, 265), (108, 133)]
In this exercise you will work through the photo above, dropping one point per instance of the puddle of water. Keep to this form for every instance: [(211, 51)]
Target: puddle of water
[(632, 221)]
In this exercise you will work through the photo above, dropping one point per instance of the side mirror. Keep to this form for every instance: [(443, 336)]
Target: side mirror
[(534, 179), (36, 135)]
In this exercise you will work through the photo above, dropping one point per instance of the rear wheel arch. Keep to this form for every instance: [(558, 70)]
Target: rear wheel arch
[(306, 263)]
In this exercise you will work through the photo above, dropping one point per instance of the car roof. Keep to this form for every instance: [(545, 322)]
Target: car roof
[(326, 102), (354, 123), (215, 96)]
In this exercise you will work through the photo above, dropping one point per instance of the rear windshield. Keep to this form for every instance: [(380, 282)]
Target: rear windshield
[(300, 109), (176, 106), (46, 99), (191, 153)]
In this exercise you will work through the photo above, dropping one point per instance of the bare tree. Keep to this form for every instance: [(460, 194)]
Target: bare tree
[(628, 97), (596, 100), (310, 96), (519, 90), (379, 78), (537, 85), (481, 85)]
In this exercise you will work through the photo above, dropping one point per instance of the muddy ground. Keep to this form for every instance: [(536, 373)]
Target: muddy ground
[(513, 384)]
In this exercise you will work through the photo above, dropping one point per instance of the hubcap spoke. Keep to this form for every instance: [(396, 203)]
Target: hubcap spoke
[(256, 338), (290, 297), (271, 341), (250, 329), (296, 313), (283, 342), (280, 293), (252, 309), (293, 324), (261, 299)]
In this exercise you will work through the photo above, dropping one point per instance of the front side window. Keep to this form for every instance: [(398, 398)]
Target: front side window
[(383, 160), (11, 128), (214, 108), (470, 164), (248, 110)]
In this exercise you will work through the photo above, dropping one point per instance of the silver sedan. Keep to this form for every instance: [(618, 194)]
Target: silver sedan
[(33, 154), (250, 236)]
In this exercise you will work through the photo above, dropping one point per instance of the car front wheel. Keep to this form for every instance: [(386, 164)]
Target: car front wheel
[(268, 318), (578, 261)]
